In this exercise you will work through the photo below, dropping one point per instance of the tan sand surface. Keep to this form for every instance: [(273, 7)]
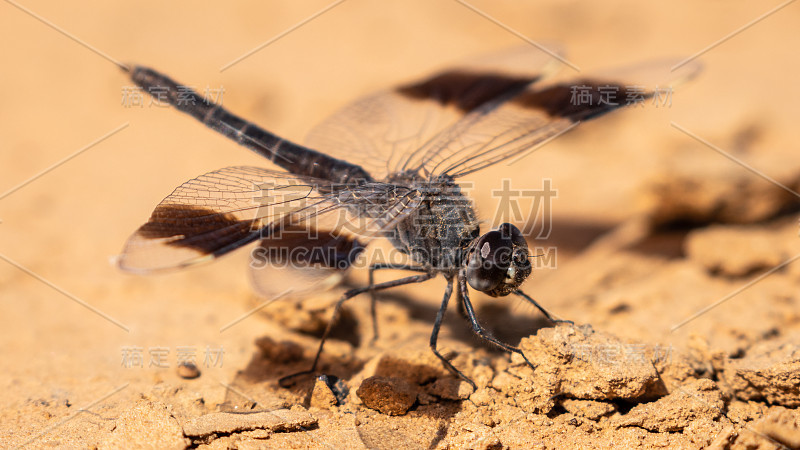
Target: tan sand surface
[(651, 226)]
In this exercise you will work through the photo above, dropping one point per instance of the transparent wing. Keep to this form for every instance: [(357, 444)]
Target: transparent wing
[(507, 128), (379, 132), (300, 259), (229, 208), (318, 258)]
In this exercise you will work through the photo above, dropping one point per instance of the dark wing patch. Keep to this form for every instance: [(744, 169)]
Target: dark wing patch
[(194, 227), (598, 98), (466, 90)]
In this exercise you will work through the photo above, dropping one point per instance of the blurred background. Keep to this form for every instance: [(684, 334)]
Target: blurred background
[(60, 97)]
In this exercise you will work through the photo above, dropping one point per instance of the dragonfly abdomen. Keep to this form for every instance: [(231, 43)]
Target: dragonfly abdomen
[(292, 157)]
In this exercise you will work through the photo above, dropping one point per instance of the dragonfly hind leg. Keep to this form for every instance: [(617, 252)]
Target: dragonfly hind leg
[(373, 297), (337, 309)]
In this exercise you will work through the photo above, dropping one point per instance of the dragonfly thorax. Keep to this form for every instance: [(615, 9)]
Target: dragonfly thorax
[(438, 232)]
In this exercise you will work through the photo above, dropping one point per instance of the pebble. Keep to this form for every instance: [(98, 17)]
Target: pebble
[(188, 370), (388, 395)]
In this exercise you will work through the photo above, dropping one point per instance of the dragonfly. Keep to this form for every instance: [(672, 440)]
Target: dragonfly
[(385, 167)]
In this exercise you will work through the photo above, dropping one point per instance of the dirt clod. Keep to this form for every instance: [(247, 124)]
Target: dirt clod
[(450, 389), (322, 396), (769, 371), (148, 424), (226, 423), (188, 370), (736, 250), (389, 395), (698, 401), (590, 409), (280, 352), (580, 363)]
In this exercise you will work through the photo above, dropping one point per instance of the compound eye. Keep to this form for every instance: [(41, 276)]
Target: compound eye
[(510, 231), (489, 261), (521, 257)]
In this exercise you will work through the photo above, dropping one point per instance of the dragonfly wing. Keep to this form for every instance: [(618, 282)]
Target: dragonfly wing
[(316, 257), (218, 212), (380, 132), (499, 131), (305, 224)]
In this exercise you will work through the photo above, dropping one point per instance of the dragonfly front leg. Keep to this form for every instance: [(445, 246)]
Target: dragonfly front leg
[(544, 311), (476, 326), (448, 292)]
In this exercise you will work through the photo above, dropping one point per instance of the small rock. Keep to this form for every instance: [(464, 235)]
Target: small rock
[(188, 370), (389, 395), (483, 397), (322, 396)]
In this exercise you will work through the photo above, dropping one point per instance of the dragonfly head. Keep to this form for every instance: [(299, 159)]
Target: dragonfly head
[(497, 262)]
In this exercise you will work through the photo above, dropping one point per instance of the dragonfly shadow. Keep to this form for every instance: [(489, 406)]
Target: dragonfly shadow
[(276, 359), (571, 237)]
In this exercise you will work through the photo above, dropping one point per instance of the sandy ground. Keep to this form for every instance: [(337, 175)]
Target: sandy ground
[(651, 227)]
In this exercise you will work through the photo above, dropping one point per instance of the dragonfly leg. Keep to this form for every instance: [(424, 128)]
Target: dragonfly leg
[(476, 326), (346, 296), (448, 292), (544, 311), (373, 297)]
